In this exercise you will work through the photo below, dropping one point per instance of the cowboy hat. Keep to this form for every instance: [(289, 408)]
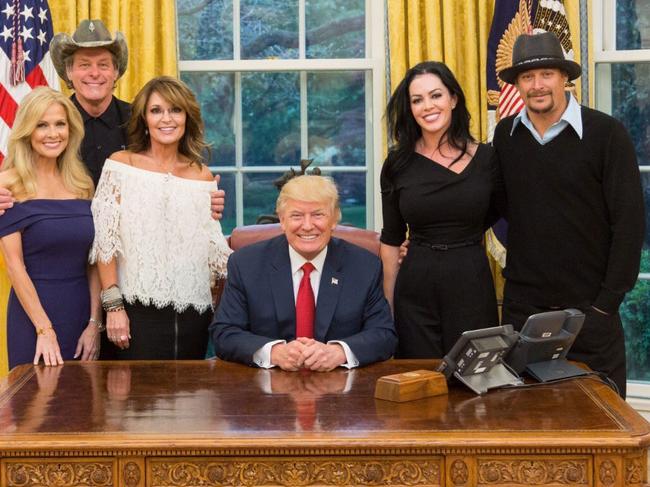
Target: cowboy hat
[(538, 51), (89, 33)]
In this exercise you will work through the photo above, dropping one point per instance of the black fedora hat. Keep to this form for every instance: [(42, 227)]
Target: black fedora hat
[(538, 51)]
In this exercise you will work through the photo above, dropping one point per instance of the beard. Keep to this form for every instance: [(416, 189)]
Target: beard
[(547, 108)]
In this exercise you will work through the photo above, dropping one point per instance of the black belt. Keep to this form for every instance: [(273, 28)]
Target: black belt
[(444, 247)]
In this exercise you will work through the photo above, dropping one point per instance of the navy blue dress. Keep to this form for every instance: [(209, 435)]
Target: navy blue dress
[(56, 239)]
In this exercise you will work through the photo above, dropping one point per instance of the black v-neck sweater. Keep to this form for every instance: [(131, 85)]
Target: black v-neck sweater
[(575, 214)]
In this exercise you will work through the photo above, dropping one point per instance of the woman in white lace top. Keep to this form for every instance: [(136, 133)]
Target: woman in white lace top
[(156, 245)]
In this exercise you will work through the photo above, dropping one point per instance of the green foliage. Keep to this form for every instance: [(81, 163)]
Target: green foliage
[(334, 28), (205, 29), (635, 314), (215, 94), (271, 118)]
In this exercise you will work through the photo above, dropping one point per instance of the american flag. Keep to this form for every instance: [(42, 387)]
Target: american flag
[(25, 34)]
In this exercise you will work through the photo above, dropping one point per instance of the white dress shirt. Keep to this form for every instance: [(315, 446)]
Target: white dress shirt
[(262, 357)]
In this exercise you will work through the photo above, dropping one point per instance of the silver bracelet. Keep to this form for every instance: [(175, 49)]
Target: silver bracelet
[(111, 298), (100, 326)]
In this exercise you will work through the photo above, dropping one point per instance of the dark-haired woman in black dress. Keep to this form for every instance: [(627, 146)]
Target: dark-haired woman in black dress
[(438, 184)]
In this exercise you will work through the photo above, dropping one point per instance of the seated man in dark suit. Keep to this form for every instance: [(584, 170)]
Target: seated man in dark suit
[(304, 299)]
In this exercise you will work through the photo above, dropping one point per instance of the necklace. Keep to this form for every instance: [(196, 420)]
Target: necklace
[(423, 150)]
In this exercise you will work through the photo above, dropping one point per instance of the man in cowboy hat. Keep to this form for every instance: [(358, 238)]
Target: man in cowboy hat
[(575, 206), (90, 62)]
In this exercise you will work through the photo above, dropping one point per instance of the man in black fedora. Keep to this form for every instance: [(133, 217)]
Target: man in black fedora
[(574, 205)]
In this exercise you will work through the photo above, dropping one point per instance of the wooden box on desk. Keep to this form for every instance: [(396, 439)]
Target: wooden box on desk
[(410, 386)]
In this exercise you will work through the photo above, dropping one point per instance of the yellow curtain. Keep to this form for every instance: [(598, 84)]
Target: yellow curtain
[(150, 30), (452, 31), (455, 32)]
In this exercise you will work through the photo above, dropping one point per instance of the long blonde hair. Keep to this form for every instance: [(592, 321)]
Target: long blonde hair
[(20, 154)]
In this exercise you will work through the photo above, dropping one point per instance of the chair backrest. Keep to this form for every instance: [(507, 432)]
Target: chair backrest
[(248, 234)]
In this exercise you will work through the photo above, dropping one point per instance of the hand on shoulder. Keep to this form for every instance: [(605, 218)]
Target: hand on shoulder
[(6, 197)]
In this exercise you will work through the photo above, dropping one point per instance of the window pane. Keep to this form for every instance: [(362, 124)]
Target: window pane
[(645, 257), (335, 28), (352, 194), (635, 314), (216, 90), (271, 119), (260, 195), (269, 29), (204, 29), (337, 118), (631, 104), (229, 220), (633, 24)]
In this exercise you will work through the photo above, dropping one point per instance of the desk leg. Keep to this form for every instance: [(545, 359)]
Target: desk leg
[(131, 472)]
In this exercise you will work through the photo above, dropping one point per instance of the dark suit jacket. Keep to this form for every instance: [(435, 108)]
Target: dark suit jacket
[(258, 306)]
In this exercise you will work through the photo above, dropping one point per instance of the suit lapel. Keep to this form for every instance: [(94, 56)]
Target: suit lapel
[(329, 290), (282, 289)]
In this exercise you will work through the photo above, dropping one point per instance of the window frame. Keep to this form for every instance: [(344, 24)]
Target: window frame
[(374, 64), (603, 14)]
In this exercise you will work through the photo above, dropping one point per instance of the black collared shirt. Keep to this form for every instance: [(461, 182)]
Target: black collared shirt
[(104, 134)]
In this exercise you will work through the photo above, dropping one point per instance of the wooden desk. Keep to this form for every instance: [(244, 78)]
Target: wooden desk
[(213, 423)]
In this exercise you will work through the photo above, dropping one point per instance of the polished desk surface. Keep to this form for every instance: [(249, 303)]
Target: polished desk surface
[(212, 403)]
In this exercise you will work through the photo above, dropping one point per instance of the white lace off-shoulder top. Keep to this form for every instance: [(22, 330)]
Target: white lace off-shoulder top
[(159, 227)]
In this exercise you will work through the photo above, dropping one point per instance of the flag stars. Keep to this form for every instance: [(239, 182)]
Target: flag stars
[(6, 33), (27, 13), (8, 11), (42, 37), (26, 55), (26, 33), (42, 14)]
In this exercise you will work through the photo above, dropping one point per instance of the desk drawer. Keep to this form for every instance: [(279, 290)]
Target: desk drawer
[(285, 471)]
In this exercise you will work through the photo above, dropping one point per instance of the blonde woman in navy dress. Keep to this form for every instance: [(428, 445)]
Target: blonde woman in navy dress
[(54, 310)]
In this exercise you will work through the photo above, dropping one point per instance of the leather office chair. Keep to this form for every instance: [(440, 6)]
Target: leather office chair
[(248, 234)]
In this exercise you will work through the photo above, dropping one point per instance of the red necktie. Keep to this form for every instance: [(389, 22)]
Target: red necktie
[(305, 304)]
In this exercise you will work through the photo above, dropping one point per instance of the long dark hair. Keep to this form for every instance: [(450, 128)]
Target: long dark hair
[(405, 131), (192, 145)]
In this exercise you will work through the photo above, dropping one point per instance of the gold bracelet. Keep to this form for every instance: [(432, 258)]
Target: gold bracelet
[(42, 331)]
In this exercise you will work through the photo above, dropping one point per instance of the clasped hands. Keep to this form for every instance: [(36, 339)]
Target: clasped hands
[(307, 353)]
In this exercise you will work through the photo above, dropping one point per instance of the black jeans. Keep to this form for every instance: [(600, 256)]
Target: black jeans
[(162, 334), (600, 344)]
